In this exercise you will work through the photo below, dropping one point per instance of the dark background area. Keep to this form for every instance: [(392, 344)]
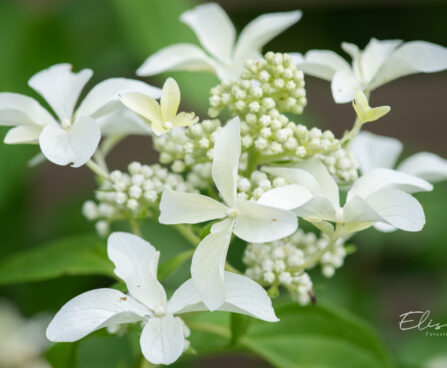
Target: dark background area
[(390, 274)]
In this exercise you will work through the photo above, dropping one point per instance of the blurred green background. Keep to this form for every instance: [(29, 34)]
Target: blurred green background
[(390, 274)]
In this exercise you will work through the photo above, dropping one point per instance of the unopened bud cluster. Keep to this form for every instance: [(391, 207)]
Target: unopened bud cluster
[(278, 263), (188, 147), (267, 89), (131, 194), (274, 264)]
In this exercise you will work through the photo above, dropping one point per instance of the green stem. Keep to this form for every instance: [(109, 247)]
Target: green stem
[(230, 268), (252, 163), (134, 227), (110, 142), (92, 165), (188, 234), (206, 327), (100, 159)]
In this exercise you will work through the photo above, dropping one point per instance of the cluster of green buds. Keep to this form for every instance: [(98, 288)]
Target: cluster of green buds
[(131, 195)]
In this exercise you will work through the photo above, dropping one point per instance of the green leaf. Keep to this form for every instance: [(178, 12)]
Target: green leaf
[(239, 324), (76, 255), (305, 337), (63, 355), (167, 268), (317, 337)]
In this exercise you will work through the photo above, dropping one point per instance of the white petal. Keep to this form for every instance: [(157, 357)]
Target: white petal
[(352, 50), (257, 223), (226, 154), (23, 134), (286, 197), (105, 96), (245, 296), (373, 151), (261, 30), (16, 109), (75, 145), (91, 311), (186, 299), (377, 179), (425, 165), (136, 262), (319, 208), (384, 228), (170, 100), (213, 28), (329, 187), (182, 56), (358, 210), (123, 122), (376, 53), (294, 175), (323, 64), (412, 57), (343, 86), (242, 295), (162, 340), (188, 208), (60, 87), (398, 208), (208, 263)]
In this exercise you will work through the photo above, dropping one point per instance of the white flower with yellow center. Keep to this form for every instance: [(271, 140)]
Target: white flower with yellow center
[(162, 117)]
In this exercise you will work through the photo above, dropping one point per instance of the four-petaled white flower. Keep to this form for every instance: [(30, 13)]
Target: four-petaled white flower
[(217, 35), (380, 196), (375, 151), (379, 63), (163, 337), (74, 136), (250, 221), (162, 117)]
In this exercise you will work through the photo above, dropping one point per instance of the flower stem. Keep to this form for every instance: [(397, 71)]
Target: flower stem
[(207, 327), (188, 234), (92, 165), (134, 227), (316, 257)]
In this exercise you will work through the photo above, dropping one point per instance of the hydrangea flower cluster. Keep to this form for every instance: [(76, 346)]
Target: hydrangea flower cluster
[(133, 194), (257, 176), (267, 89), (278, 263)]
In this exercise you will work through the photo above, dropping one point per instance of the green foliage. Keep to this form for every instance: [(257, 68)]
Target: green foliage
[(239, 324), (63, 355), (167, 268), (305, 337), (76, 255)]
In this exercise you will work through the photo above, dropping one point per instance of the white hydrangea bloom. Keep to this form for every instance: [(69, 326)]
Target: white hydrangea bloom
[(163, 338), (217, 35), (379, 63), (380, 196), (248, 220), (73, 137), (373, 151)]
